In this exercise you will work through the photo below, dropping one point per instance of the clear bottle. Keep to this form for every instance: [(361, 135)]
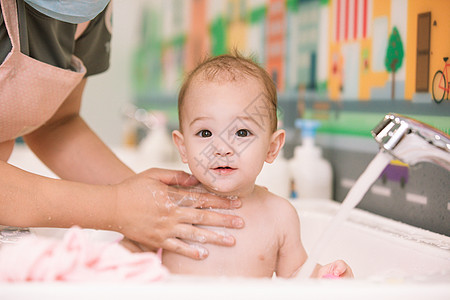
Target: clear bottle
[(312, 174)]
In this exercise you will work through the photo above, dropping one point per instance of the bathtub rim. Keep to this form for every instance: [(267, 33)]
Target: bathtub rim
[(236, 288), (376, 224)]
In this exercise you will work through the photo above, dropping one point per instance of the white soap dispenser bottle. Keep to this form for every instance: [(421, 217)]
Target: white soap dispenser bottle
[(156, 149), (312, 174), (276, 177)]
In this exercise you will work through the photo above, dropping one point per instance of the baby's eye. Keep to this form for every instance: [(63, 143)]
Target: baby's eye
[(204, 133), (243, 133)]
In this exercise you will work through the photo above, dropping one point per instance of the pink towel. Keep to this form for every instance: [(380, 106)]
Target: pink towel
[(76, 259)]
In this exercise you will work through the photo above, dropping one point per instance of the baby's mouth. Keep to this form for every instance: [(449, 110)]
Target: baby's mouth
[(224, 169)]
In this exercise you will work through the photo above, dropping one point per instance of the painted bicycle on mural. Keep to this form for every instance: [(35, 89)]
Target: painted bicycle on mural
[(440, 85)]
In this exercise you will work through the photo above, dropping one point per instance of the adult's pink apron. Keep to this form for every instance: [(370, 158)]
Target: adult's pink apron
[(30, 91)]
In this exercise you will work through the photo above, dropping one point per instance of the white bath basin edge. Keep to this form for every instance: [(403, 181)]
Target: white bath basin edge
[(218, 289)]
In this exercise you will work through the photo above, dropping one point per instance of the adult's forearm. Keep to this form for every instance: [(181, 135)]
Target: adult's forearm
[(29, 200), (74, 152)]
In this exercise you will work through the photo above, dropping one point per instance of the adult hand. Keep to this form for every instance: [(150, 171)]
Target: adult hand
[(156, 212)]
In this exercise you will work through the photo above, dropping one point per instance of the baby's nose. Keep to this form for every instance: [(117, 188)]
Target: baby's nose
[(223, 149), (224, 152)]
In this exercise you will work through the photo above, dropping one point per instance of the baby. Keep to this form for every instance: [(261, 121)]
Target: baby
[(228, 129)]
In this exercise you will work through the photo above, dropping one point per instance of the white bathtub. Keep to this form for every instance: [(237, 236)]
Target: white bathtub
[(390, 261)]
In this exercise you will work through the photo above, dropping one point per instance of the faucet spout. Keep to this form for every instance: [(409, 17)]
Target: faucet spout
[(411, 141)]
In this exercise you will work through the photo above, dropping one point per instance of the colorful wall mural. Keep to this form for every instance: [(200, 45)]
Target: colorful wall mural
[(337, 47), (338, 51)]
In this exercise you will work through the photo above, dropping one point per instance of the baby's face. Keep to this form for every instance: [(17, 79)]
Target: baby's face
[(226, 132)]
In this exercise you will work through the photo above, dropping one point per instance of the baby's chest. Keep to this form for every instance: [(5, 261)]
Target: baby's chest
[(254, 254), (256, 249)]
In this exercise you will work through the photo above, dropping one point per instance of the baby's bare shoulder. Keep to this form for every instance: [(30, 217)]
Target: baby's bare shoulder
[(277, 204)]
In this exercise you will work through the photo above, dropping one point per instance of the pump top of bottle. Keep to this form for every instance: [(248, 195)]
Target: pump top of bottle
[(308, 127)]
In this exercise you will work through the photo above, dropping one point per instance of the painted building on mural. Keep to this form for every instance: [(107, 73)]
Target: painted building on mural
[(292, 57), (301, 44), (361, 29), (275, 42), (350, 34), (197, 39), (428, 26)]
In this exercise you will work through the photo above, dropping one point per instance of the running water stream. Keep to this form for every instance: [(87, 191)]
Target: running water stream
[(352, 199)]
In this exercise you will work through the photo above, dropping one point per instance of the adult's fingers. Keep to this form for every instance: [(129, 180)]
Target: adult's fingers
[(196, 197), (208, 218), (180, 247), (172, 177), (190, 195), (201, 235)]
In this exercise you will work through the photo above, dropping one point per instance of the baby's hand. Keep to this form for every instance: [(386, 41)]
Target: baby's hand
[(337, 269)]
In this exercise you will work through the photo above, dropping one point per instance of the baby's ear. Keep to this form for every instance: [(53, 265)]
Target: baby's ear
[(276, 143), (178, 139)]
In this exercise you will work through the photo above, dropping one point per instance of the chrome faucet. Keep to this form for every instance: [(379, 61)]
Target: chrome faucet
[(411, 141)]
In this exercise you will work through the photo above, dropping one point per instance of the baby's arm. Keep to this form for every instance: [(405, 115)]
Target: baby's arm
[(336, 269), (291, 254)]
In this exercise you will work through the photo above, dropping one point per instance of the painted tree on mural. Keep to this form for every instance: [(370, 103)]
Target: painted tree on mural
[(394, 56)]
